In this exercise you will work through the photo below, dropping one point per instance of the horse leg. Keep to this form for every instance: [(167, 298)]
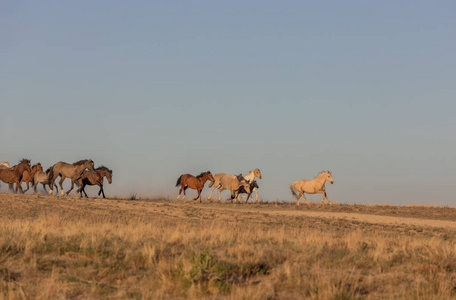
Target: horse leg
[(72, 186), (27, 186), (83, 189), (212, 189), (221, 188), (297, 198), (199, 195), (19, 185), (256, 193), (79, 190), (325, 196), (101, 191), (185, 188), (304, 197), (61, 184)]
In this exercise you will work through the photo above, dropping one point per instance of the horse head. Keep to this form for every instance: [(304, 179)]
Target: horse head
[(109, 176), (329, 177), (25, 163), (209, 176), (257, 173)]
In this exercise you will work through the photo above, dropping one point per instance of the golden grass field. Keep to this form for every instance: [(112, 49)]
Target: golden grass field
[(71, 248)]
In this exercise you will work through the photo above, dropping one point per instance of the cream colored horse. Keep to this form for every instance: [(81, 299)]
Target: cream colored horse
[(228, 182), (314, 186), (4, 164), (250, 177)]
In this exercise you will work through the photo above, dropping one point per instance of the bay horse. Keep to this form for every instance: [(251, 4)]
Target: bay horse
[(66, 170), (197, 183), (15, 173), (228, 182), (94, 178), (43, 178), (27, 176), (314, 186)]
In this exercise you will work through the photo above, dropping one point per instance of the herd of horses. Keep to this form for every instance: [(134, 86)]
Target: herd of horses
[(83, 173), (238, 185)]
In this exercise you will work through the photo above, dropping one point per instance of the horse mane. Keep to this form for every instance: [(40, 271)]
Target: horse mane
[(24, 160), (103, 168), (35, 165), (48, 170), (81, 162), (202, 174), (323, 172)]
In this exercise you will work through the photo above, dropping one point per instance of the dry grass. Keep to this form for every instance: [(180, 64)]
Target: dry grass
[(55, 247)]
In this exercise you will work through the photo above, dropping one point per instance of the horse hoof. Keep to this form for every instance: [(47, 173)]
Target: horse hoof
[(50, 192)]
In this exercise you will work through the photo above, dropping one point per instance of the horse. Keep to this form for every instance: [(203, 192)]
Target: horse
[(43, 178), (27, 176), (66, 170), (228, 182), (250, 177), (4, 164), (197, 183), (94, 178), (242, 190), (314, 186), (15, 173)]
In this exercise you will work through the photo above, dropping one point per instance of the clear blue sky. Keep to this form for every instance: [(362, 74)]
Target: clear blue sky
[(154, 89)]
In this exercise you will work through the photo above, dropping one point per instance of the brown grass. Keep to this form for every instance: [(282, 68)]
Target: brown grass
[(63, 247)]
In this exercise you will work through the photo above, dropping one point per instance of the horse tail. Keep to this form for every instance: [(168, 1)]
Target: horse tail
[(51, 174), (33, 181), (292, 189), (179, 181)]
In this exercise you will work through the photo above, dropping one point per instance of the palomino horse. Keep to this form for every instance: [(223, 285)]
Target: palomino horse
[(43, 178), (27, 176), (228, 182), (15, 173), (250, 177), (72, 171), (94, 178), (314, 186), (197, 183)]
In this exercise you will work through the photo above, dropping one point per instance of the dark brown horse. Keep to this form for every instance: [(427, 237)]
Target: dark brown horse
[(15, 173), (94, 178), (27, 176), (72, 171), (196, 183)]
